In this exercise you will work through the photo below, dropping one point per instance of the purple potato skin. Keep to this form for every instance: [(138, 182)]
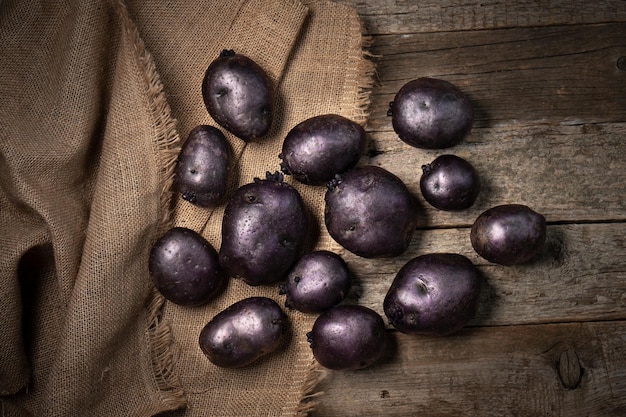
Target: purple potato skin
[(509, 234), (433, 294), (348, 337), (370, 212), (239, 96), (318, 281), (264, 228), (317, 149), (203, 166), (431, 113), (185, 268), (450, 183), (244, 332)]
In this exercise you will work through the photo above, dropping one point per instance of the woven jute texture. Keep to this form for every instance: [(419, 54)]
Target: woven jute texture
[(97, 98)]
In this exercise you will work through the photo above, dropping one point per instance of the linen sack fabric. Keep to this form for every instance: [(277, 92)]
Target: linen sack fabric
[(97, 98)]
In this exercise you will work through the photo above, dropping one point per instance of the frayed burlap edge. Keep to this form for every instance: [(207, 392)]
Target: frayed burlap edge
[(314, 376), (158, 333), (167, 137), (355, 105), (358, 86)]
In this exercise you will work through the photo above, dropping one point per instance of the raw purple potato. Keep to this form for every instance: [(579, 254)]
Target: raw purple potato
[(317, 149), (318, 281), (450, 183), (185, 267), (244, 332), (509, 234), (239, 95), (431, 113), (348, 337), (433, 294), (370, 212), (203, 166), (263, 230)]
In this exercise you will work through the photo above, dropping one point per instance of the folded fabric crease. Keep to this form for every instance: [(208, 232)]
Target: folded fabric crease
[(98, 96)]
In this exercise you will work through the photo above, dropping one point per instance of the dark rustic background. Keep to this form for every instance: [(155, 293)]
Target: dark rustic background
[(548, 82)]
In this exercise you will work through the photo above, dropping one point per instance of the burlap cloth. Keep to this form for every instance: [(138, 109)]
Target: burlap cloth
[(96, 98)]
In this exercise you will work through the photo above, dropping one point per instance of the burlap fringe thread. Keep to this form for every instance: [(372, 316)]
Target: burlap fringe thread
[(168, 143), (159, 334)]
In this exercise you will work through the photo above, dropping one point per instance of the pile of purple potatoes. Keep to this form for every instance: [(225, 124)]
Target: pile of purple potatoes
[(368, 211)]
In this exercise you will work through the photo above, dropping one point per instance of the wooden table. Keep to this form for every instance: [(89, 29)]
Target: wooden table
[(548, 82)]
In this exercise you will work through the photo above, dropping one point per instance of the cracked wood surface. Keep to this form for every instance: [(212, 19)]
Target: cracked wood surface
[(548, 83)]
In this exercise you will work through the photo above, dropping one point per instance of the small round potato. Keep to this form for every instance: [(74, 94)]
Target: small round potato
[(509, 234), (318, 281), (431, 113)]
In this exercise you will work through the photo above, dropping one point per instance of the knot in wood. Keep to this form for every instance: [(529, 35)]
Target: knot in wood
[(570, 371), (621, 63)]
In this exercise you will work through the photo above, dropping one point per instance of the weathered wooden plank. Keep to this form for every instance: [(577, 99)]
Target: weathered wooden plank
[(548, 81), (502, 371), (533, 141), (563, 74), (384, 17), (566, 172), (580, 276)]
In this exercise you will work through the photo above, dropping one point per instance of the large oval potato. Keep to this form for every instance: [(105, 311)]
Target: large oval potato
[(264, 228), (370, 212)]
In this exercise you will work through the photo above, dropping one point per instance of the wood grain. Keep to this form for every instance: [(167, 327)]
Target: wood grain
[(504, 371), (548, 83), (567, 173), (549, 105), (453, 15), (567, 282), (556, 74)]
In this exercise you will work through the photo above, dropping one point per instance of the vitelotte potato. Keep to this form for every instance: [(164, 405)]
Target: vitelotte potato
[(431, 113), (264, 228), (317, 149), (348, 337), (370, 212), (436, 294), (509, 234), (185, 267), (203, 166), (244, 332), (449, 183), (318, 281), (239, 95)]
